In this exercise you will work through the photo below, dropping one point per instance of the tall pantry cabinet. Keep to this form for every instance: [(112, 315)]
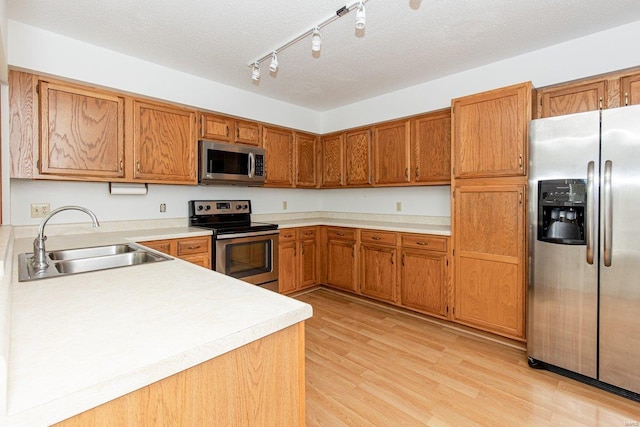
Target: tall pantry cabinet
[(489, 179)]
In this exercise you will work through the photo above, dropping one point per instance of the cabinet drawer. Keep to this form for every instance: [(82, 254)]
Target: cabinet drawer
[(163, 246), (378, 237), (193, 246), (288, 234), (424, 241), (341, 233), (307, 233)]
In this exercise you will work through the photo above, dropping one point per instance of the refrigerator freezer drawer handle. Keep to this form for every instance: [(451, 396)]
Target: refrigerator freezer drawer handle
[(607, 217), (590, 232)]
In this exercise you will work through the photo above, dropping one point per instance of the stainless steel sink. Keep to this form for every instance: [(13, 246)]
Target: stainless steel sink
[(83, 260), (95, 251)]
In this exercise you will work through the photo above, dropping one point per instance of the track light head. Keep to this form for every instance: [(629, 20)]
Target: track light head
[(273, 66), (360, 16), (316, 40), (255, 74)]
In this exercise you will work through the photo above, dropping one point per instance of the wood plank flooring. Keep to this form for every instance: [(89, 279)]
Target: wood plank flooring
[(369, 365)]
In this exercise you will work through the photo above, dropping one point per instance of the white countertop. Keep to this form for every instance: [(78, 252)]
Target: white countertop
[(81, 340)]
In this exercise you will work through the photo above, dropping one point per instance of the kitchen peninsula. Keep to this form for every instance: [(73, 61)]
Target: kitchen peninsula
[(168, 341)]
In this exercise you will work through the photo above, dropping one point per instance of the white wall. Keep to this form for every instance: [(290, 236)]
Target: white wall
[(598, 53), (107, 207)]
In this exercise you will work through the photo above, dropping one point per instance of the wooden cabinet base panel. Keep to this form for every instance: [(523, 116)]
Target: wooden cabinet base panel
[(260, 384)]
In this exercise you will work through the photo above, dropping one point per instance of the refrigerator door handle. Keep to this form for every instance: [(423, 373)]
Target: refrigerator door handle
[(590, 231), (607, 217)]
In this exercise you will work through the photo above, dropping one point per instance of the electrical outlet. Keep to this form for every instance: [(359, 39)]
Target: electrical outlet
[(163, 207), (398, 206), (285, 205), (39, 210)]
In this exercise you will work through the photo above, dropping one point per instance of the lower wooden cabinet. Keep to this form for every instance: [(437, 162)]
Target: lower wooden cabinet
[(490, 248), (261, 383), (342, 268), (423, 274), (196, 250), (298, 253), (378, 266)]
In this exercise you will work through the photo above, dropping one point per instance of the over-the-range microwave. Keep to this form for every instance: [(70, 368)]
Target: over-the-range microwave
[(224, 163)]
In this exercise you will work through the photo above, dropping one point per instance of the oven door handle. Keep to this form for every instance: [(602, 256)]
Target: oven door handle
[(247, 234)]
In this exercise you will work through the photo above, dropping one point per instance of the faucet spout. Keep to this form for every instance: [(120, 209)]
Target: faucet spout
[(39, 260)]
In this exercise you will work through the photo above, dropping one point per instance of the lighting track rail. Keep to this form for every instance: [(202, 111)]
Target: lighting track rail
[(316, 38)]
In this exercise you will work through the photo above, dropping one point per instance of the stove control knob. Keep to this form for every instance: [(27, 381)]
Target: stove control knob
[(207, 208), (238, 207), (200, 207), (246, 206)]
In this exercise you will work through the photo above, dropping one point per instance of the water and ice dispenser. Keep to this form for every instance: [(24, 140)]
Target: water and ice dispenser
[(561, 211)]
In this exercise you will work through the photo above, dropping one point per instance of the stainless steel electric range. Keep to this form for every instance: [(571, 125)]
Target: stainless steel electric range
[(241, 248)]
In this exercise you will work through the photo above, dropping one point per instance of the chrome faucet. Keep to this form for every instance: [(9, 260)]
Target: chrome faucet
[(39, 260)]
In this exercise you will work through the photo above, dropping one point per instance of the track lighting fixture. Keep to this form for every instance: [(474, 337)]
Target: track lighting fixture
[(316, 37), (360, 16), (255, 75), (274, 62), (316, 40)]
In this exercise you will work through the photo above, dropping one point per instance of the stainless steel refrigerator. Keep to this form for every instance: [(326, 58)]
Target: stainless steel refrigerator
[(584, 210)]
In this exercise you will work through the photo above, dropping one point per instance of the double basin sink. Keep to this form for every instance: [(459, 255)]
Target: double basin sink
[(83, 260)]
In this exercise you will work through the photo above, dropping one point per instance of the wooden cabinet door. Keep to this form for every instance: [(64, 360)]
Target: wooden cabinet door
[(247, 133), (378, 272), (306, 156), (81, 132), (341, 264), (278, 145), (489, 232), (164, 143), (215, 127), (431, 148), (423, 281), (490, 132), (308, 262), (630, 88), (333, 160), (573, 98), (358, 157), (288, 271), (391, 153)]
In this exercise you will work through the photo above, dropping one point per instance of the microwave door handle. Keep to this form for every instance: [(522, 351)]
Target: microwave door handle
[(252, 165)]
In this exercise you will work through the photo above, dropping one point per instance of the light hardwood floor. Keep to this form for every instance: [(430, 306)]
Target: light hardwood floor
[(369, 365)]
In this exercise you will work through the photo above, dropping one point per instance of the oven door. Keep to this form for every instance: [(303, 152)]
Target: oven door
[(250, 257)]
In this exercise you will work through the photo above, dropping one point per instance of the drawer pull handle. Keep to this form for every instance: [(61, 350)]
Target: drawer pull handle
[(287, 235), (422, 243), (193, 247), (376, 238), (340, 234)]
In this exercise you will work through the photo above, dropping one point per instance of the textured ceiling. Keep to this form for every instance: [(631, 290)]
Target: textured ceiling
[(405, 42)]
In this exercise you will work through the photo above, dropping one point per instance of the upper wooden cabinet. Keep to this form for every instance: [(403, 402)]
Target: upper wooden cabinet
[(610, 90), (630, 89), (216, 127), (573, 99), (431, 148), (490, 132), (358, 157), (391, 149), (247, 132), (164, 143), (81, 131), (306, 149), (332, 160), (278, 145), (227, 129), (69, 132)]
